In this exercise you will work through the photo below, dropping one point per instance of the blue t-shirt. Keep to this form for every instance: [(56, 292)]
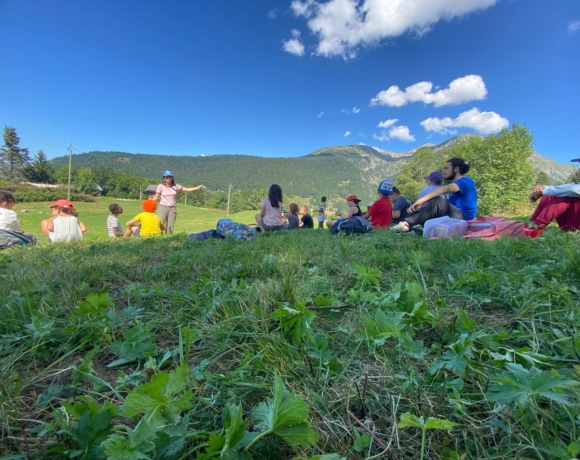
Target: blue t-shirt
[(466, 198)]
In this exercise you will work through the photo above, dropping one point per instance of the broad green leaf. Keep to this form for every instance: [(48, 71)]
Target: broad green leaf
[(410, 420), (367, 276), (158, 399), (94, 303), (439, 424), (432, 423), (520, 384), (412, 347), (285, 416), (295, 322), (234, 428), (361, 442)]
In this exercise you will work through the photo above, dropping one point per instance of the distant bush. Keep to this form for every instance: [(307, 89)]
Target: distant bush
[(28, 193)]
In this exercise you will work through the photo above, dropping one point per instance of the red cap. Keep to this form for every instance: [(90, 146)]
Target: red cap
[(353, 198), (63, 204)]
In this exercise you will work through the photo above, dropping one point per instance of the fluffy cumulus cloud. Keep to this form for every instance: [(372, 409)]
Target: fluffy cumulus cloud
[(355, 110), (348, 133), (460, 90), (294, 45), (400, 133), (573, 27), (343, 26), (482, 122)]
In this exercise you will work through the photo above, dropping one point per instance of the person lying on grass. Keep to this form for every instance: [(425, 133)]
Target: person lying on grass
[(462, 203), (271, 217), (380, 213), (63, 225), (150, 223), (560, 203), (352, 202)]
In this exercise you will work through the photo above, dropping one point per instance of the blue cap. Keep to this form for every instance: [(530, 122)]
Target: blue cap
[(167, 173), (435, 176), (386, 187)]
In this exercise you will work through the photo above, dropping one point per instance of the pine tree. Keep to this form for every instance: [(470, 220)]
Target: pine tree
[(39, 170), (12, 157)]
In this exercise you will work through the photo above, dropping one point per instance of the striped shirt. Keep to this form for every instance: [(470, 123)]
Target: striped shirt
[(113, 222)]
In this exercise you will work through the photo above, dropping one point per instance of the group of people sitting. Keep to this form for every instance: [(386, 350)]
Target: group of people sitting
[(457, 199)]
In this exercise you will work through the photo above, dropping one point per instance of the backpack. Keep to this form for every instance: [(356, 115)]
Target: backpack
[(492, 227), (9, 239), (351, 226), (234, 229)]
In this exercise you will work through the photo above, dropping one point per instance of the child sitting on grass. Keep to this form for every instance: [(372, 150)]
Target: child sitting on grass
[(8, 218), (292, 216), (306, 219), (151, 224), (63, 225), (114, 228), (381, 212)]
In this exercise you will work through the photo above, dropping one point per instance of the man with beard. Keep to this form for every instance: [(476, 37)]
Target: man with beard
[(462, 203)]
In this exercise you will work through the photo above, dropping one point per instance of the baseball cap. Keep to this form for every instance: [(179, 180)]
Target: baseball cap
[(63, 204), (149, 205), (353, 198), (167, 173), (386, 187), (435, 176)]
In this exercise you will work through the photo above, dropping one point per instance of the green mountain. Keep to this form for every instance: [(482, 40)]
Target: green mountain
[(331, 171)]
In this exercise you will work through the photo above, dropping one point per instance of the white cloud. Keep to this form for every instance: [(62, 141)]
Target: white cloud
[(355, 110), (483, 122), (294, 45), (361, 143), (343, 26), (361, 134), (272, 14), (400, 133), (348, 133), (460, 90), (320, 115), (573, 27), (344, 111), (387, 123)]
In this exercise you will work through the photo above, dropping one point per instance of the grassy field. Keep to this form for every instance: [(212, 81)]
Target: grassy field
[(94, 216), (294, 345)]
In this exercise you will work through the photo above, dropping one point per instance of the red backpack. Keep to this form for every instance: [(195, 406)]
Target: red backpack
[(492, 227)]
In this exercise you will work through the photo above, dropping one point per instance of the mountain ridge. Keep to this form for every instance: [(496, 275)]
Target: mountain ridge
[(333, 171)]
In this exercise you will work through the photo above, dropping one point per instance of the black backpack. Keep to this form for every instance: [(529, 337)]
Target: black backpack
[(10, 239), (351, 226)]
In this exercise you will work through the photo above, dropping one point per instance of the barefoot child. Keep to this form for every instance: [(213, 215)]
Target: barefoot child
[(63, 225), (321, 212)]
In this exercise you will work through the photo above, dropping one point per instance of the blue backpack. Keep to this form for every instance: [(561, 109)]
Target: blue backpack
[(10, 239), (351, 226)]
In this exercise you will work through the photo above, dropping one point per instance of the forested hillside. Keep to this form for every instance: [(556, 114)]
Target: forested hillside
[(332, 171)]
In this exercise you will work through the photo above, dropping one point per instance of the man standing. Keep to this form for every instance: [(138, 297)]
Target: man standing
[(400, 206), (560, 202), (462, 203)]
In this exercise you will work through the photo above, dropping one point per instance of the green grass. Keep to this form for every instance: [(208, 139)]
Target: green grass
[(481, 334), (94, 216)]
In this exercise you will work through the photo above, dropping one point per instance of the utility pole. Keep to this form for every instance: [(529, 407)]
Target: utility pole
[(229, 194), (186, 193), (70, 151)]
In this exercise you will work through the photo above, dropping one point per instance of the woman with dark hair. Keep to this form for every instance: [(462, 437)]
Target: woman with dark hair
[(462, 203), (166, 194), (271, 217)]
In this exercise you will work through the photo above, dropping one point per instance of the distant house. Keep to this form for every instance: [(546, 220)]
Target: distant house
[(150, 191), (97, 188)]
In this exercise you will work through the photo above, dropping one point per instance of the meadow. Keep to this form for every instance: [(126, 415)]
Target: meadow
[(94, 215), (293, 345)]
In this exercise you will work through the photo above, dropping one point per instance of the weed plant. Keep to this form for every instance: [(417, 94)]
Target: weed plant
[(294, 345)]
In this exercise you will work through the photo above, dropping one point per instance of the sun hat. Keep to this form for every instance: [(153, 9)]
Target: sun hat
[(353, 198), (149, 205), (435, 176), (63, 204), (386, 187), (167, 173)]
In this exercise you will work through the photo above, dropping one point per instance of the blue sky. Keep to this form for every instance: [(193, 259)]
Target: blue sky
[(284, 78)]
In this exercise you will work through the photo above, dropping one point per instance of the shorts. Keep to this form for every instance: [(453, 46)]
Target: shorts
[(272, 228), (320, 217)]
